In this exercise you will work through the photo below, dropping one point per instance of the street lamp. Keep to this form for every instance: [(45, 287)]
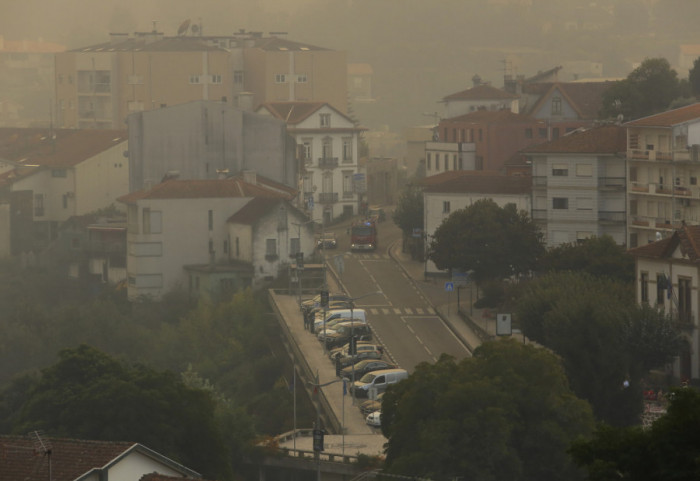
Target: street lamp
[(318, 434), (353, 342), (299, 226)]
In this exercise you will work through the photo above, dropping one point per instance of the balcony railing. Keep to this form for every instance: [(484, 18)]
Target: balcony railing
[(327, 197), (611, 216), (328, 162)]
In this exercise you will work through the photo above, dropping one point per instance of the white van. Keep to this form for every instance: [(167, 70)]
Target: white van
[(376, 382), (340, 313)]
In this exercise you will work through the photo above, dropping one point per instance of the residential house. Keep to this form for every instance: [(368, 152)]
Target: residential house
[(450, 191), (360, 78), (208, 140), (667, 277), (34, 458), (490, 136), (49, 175), (480, 96), (328, 143), (179, 235), (578, 185), (97, 86), (663, 167)]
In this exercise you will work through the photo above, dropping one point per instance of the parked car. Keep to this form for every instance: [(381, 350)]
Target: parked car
[(343, 332), (377, 381), (339, 313), (362, 346), (330, 330), (363, 367), (327, 240), (371, 405), (315, 301), (345, 361), (375, 419)]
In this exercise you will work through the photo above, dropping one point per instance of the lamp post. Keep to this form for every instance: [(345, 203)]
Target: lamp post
[(317, 430), (353, 342), (299, 226)]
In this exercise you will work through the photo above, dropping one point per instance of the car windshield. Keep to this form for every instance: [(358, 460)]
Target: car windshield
[(369, 377), (362, 230)]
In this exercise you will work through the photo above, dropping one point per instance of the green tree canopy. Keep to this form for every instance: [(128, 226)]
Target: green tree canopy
[(506, 413), (494, 242), (599, 256), (694, 78), (408, 214), (90, 395), (648, 89), (668, 449), (603, 337)]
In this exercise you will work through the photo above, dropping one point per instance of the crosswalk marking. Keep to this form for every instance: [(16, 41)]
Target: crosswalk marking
[(408, 310), (399, 311)]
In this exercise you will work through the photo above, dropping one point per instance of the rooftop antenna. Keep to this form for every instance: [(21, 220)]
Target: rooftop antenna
[(42, 446)]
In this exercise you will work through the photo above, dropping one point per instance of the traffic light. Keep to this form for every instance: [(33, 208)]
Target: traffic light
[(300, 260), (324, 298)]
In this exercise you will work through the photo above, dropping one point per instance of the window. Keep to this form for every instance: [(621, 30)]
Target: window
[(481, 135), (348, 186), (446, 207), (560, 170), (151, 221), (528, 133), (633, 174), (447, 162), (437, 162), (325, 120), (280, 78), (454, 161), (211, 220), (584, 170), (644, 287), (59, 173), (560, 203), (542, 133), (327, 148), (194, 79), (38, 205), (555, 133), (216, 79), (301, 78), (238, 77), (306, 150), (270, 247), (347, 149), (294, 246), (661, 286), (693, 181), (556, 105), (684, 299), (428, 164)]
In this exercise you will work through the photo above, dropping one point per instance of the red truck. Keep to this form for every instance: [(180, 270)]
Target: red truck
[(363, 236)]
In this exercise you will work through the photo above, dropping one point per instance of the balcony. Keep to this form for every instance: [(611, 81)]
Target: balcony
[(611, 216), (615, 183), (327, 162), (327, 197)]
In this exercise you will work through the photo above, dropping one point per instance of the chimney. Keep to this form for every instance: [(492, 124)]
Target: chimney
[(476, 80), (250, 177)]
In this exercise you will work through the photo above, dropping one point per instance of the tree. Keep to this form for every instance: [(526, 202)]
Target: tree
[(694, 78), (603, 337), (506, 413), (408, 216), (493, 242), (668, 449), (599, 256), (90, 395), (648, 89)]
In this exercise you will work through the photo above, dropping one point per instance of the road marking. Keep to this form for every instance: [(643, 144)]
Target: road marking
[(408, 310), (386, 311), (397, 310)]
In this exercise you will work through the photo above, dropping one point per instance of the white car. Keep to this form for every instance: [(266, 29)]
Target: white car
[(375, 419)]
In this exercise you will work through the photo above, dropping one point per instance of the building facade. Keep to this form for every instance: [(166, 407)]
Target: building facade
[(328, 148), (578, 186), (663, 167)]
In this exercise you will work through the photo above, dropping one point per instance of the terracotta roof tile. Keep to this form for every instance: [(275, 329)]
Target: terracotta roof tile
[(68, 148), (203, 189), (70, 458), (481, 92), (585, 97), (668, 118), (484, 183), (292, 112), (687, 237), (608, 139)]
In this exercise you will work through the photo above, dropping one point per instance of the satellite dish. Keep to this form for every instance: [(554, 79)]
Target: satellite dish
[(183, 27), (195, 28)]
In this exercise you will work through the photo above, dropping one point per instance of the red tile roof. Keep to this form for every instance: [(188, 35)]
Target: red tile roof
[(293, 113), (608, 139), (452, 174), (688, 237), (253, 210), (586, 98), (70, 458), (202, 189), (68, 148), (481, 92), (483, 183), (668, 118)]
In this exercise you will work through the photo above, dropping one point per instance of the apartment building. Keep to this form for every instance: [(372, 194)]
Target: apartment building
[(578, 185), (663, 167), (97, 86)]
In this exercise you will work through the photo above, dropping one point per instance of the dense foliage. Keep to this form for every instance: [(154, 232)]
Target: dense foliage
[(506, 413), (494, 242), (603, 337), (669, 449)]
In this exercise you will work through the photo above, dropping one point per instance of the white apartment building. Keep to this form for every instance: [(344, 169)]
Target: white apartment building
[(328, 148), (663, 167), (578, 186)]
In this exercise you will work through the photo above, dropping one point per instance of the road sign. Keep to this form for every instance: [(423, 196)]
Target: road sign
[(503, 325), (360, 183), (449, 286)]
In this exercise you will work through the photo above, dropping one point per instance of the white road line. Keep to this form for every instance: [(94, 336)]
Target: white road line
[(408, 310), (397, 310), (386, 311)]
